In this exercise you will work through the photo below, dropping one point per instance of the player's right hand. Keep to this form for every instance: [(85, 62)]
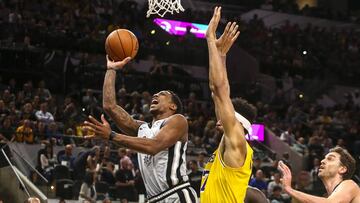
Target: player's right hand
[(102, 130), (286, 176), (116, 65)]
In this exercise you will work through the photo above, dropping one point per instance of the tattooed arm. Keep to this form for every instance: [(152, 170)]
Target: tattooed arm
[(122, 119)]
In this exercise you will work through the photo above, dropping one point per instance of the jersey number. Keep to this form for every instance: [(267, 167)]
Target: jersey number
[(205, 177)]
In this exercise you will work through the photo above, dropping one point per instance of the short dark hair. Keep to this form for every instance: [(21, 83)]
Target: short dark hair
[(177, 101), (277, 188), (244, 108), (346, 160)]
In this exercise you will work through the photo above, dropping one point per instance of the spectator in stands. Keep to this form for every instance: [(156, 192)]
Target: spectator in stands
[(93, 160), (270, 170), (133, 157), (125, 182), (89, 99), (4, 111), (71, 113), (107, 173), (275, 182), (40, 131), (36, 103), (27, 91), (24, 133), (303, 182), (316, 183), (43, 92), (7, 132), (288, 136), (276, 196), (257, 165), (91, 103), (259, 182), (300, 146), (43, 115), (201, 160), (88, 191), (80, 162), (123, 156), (28, 112), (195, 176), (46, 159), (32, 200), (52, 133), (67, 158), (8, 97), (340, 143)]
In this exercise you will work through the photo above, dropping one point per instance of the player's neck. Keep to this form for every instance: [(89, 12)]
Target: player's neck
[(160, 116), (331, 183)]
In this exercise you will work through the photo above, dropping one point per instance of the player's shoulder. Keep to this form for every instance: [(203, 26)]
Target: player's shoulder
[(349, 183), (178, 118), (349, 186)]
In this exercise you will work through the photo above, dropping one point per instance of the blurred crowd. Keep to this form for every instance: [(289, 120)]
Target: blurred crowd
[(33, 113), (312, 52)]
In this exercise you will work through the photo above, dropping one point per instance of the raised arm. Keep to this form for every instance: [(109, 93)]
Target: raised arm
[(344, 193), (234, 138), (122, 119), (175, 129)]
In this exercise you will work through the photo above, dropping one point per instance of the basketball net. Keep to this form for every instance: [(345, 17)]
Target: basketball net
[(161, 7)]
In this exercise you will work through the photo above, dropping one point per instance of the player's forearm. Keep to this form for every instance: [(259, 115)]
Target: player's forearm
[(121, 118), (223, 60), (306, 198), (217, 72), (142, 145), (109, 98)]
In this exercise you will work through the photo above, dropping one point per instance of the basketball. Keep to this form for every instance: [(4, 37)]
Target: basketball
[(121, 43)]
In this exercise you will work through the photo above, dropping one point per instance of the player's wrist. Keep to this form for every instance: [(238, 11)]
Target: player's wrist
[(111, 69), (112, 135)]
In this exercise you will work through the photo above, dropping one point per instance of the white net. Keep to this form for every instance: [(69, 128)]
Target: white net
[(161, 7)]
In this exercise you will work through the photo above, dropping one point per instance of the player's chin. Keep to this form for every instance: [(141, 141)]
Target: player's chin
[(220, 128), (320, 174), (152, 110)]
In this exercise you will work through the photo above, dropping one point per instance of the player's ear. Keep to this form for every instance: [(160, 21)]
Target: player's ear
[(173, 107), (342, 170)]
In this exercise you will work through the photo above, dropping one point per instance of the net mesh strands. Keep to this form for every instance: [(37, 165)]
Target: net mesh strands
[(161, 7)]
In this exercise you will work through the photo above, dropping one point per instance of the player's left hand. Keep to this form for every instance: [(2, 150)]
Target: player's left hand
[(286, 176), (102, 130), (227, 39), (116, 65)]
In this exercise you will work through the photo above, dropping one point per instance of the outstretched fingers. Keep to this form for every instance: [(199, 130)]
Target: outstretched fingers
[(91, 125), (215, 19), (236, 36), (94, 121)]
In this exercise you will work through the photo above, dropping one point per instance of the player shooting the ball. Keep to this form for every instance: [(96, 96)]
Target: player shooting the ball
[(161, 144)]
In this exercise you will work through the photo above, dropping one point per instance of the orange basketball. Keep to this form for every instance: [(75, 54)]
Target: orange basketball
[(121, 43)]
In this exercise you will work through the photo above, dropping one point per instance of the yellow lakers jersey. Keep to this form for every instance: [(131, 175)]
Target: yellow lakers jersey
[(223, 184)]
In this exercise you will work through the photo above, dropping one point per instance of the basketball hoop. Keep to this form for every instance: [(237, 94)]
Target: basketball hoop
[(161, 7)]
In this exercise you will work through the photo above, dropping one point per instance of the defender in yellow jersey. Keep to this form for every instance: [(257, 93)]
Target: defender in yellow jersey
[(226, 176)]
